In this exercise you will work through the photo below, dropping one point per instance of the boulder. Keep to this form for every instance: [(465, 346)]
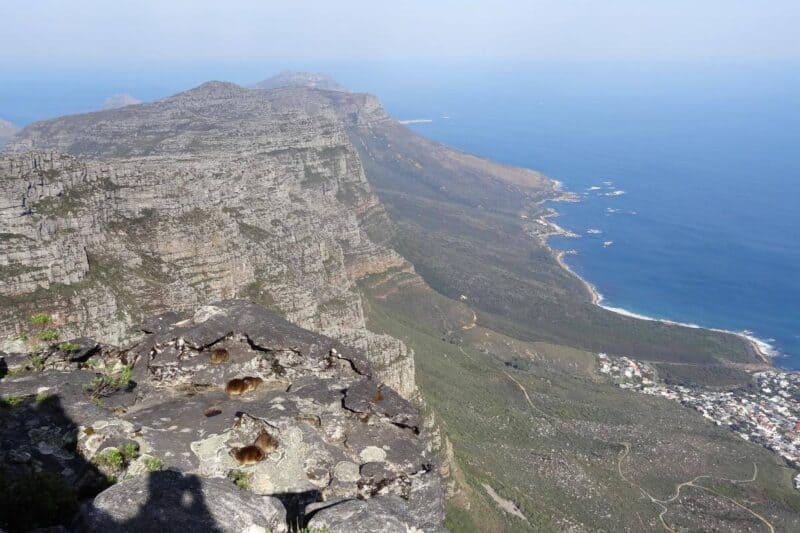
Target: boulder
[(172, 501)]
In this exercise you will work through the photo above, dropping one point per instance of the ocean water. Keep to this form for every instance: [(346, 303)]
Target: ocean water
[(689, 174)]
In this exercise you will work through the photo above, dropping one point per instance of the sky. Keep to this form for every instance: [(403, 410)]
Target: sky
[(42, 33)]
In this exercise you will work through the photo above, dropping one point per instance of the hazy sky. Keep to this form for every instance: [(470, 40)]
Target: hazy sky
[(84, 32)]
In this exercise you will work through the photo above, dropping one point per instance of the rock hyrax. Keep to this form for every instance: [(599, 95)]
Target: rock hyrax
[(236, 387), (219, 356), (248, 455), (266, 442)]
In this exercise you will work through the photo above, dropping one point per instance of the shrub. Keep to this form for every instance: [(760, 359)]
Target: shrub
[(44, 397), (130, 451), (111, 457), (152, 464), (69, 347), (124, 378), (40, 319), (10, 401), (47, 335), (240, 479), (104, 385), (37, 363)]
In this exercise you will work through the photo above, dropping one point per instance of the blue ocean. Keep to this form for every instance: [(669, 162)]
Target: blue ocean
[(688, 174)]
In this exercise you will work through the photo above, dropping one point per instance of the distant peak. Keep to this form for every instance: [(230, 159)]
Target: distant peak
[(289, 78), (215, 89), (116, 101)]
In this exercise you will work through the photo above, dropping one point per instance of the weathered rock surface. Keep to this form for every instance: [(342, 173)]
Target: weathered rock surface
[(172, 501), (172, 429), (385, 513), (217, 192)]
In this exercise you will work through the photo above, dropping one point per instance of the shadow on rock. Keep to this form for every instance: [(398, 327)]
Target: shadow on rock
[(295, 504), (43, 478), (174, 501)]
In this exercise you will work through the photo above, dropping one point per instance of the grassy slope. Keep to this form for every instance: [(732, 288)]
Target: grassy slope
[(558, 457)]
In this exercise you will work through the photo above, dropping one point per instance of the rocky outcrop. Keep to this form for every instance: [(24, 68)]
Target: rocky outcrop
[(230, 419), (214, 193)]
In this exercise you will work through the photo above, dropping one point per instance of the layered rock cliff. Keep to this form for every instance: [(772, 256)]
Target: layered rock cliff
[(231, 419), (217, 192)]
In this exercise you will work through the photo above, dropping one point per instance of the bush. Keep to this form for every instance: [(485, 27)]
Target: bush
[(130, 451), (240, 479), (152, 464), (40, 319), (69, 347), (47, 335), (37, 363), (10, 401), (44, 397), (111, 457), (104, 385)]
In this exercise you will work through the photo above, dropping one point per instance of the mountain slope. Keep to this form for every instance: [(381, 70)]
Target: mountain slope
[(217, 192)]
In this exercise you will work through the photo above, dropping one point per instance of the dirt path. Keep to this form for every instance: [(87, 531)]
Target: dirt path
[(693, 483)]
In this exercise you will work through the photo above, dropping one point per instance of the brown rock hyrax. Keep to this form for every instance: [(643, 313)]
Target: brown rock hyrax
[(266, 442), (236, 387), (378, 397), (252, 383), (248, 455), (219, 356)]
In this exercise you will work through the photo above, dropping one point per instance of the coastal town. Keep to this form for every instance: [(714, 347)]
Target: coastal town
[(767, 412)]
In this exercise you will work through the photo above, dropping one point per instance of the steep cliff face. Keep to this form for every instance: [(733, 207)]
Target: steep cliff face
[(217, 192)]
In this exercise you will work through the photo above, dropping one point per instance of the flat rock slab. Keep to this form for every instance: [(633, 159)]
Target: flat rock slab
[(387, 514), (171, 501)]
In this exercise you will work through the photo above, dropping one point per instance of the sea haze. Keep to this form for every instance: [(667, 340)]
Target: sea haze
[(689, 175)]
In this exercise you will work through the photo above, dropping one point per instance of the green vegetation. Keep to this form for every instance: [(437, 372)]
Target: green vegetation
[(10, 401), (111, 458), (37, 363), (152, 464), (106, 384), (240, 479), (560, 428), (69, 347), (40, 319), (47, 335), (130, 451), (44, 397)]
